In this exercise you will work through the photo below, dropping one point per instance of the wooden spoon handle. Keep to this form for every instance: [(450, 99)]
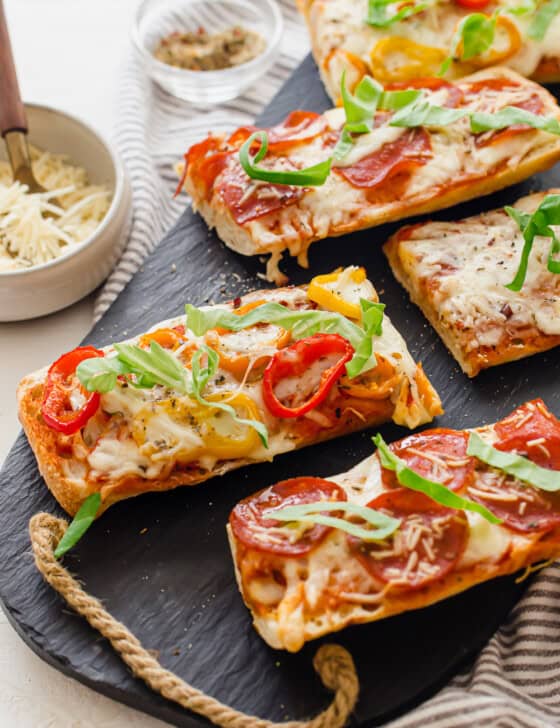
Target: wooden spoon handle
[(12, 112)]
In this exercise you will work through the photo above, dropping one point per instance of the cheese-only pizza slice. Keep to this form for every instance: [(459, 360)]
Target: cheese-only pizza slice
[(385, 174), (322, 570), (401, 42), (459, 274), (221, 387)]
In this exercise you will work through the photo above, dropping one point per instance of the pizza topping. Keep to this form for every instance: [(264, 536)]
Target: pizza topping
[(309, 177), (254, 528), (427, 545), (227, 438), (531, 430), (297, 128), (520, 507), (250, 201), (537, 224), (438, 454), (302, 324), (386, 59), (431, 83), (253, 346), (300, 377), (483, 40), (436, 491), (166, 337), (342, 290), (59, 398), (516, 465), (410, 150)]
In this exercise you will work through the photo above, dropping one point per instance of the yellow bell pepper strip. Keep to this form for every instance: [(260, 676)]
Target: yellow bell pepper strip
[(377, 383), (223, 437), (235, 361), (329, 291), (500, 54), (400, 59)]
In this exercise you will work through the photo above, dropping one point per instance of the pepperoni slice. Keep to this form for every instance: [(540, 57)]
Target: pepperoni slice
[(533, 431), (204, 162), (410, 150), (521, 507), (429, 83), (534, 104), (248, 201), (439, 455), (297, 128), (264, 534), (426, 546)]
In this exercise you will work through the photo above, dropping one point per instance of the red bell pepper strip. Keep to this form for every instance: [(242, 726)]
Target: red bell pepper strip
[(56, 409), (295, 360), (473, 4)]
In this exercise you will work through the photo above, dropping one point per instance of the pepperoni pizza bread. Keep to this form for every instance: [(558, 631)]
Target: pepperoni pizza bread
[(398, 41), (307, 562), (223, 387), (459, 273), (351, 181)]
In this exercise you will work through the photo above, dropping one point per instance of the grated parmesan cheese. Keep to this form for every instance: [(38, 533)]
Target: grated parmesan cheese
[(27, 236)]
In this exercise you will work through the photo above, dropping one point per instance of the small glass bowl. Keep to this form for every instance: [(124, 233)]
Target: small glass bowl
[(156, 19)]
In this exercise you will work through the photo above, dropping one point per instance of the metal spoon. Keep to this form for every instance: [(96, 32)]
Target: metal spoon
[(13, 120)]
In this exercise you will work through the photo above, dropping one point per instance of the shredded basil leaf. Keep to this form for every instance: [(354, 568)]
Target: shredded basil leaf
[(80, 524), (436, 491), (200, 377), (544, 16), (149, 366), (377, 12), (383, 525), (314, 176), (511, 115), (421, 113), (302, 324), (361, 106), (516, 465), (547, 214)]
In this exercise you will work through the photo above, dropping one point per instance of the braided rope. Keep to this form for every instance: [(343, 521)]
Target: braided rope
[(332, 662)]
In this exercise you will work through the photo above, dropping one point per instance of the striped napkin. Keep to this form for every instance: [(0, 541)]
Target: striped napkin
[(515, 682)]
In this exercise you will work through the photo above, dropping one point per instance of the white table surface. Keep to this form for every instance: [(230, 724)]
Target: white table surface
[(67, 53)]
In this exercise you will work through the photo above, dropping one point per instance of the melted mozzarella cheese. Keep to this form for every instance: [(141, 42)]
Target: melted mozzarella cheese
[(367, 144), (487, 542)]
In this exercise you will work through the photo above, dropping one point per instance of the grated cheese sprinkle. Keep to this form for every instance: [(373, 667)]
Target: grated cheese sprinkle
[(27, 237)]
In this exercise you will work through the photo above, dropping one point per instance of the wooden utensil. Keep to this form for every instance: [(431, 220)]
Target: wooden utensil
[(13, 120)]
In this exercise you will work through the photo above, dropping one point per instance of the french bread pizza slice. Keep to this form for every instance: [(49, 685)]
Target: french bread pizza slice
[(420, 520), (488, 284), (395, 41), (388, 154), (221, 387)]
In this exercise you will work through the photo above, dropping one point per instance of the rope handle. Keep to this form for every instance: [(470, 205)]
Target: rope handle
[(333, 663)]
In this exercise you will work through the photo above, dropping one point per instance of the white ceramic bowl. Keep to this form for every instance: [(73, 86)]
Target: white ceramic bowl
[(42, 289), (156, 19)]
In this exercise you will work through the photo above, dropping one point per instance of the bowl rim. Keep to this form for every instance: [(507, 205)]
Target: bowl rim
[(221, 74), (116, 200)]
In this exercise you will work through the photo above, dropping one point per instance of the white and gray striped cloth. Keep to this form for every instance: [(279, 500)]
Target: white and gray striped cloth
[(515, 682)]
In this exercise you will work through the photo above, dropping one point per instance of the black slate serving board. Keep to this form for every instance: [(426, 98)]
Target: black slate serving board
[(173, 585)]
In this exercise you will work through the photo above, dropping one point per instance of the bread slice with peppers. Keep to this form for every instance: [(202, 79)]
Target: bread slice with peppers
[(386, 155), (396, 42), (488, 284), (221, 387), (422, 519)]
